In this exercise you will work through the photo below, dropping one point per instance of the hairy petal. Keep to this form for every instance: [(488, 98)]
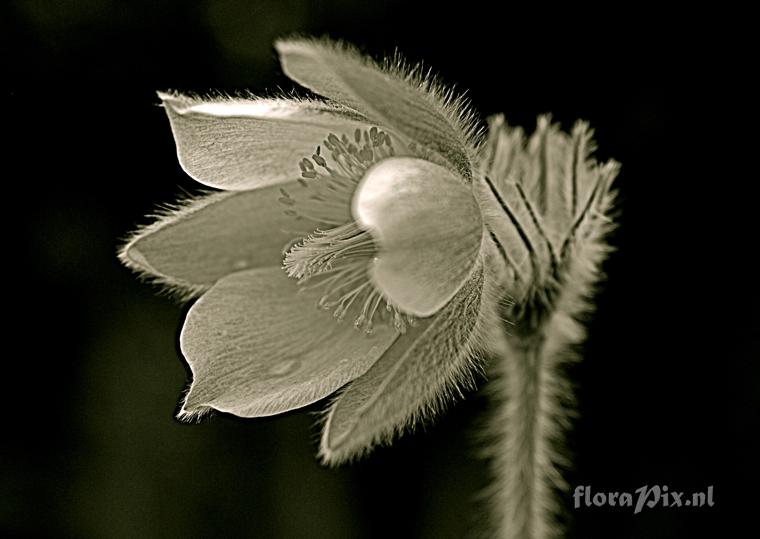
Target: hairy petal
[(547, 181), (192, 247), (538, 196), (428, 226), (258, 347), (518, 231), (422, 372), (242, 144), (401, 101)]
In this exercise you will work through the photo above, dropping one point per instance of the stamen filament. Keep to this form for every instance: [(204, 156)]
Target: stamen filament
[(336, 256)]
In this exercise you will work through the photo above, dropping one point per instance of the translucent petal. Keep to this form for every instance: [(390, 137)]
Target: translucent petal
[(405, 104), (257, 347), (242, 144), (194, 246), (423, 371), (427, 224)]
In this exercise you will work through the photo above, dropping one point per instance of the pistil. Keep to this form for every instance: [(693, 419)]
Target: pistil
[(336, 256)]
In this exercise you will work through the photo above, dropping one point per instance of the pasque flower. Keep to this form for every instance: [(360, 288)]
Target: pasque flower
[(373, 240)]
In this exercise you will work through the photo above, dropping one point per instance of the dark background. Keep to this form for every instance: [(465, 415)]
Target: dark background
[(91, 374)]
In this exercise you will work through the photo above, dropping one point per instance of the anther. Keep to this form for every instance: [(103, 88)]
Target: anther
[(336, 256), (318, 159)]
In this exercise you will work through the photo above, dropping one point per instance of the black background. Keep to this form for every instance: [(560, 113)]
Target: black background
[(91, 374)]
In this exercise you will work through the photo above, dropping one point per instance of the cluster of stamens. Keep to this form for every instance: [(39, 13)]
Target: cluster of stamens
[(336, 256)]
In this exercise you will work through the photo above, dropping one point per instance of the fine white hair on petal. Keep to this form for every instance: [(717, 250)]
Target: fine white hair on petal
[(425, 370), (264, 108), (192, 244), (284, 107), (238, 144), (538, 195), (166, 212), (400, 98), (454, 105)]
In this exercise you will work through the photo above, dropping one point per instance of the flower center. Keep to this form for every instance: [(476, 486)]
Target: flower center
[(335, 257)]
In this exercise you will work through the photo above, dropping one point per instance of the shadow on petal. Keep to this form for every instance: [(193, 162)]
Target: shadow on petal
[(258, 347)]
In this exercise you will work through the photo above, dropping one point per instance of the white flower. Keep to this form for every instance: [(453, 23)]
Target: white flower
[(365, 242)]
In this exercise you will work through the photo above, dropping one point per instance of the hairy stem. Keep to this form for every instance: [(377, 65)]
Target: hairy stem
[(523, 456), (535, 404), (527, 438), (549, 206)]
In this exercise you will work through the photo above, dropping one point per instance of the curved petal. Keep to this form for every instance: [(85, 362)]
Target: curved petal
[(401, 101), (414, 379), (257, 347), (241, 144), (194, 246), (429, 229)]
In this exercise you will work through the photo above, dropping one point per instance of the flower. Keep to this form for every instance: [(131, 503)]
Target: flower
[(366, 241)]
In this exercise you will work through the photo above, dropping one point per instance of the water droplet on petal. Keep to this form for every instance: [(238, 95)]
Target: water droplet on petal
[(284, 368)]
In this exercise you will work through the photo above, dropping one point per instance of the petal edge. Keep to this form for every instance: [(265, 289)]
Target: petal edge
[(189, 247), (415, 379), (237, 144), (257, 347), (397, 97)]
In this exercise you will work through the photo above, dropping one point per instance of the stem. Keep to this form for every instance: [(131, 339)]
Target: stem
[(535, 402), (548, 214)]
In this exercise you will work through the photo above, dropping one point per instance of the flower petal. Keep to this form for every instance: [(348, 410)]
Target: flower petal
[(241, 144), (205, 240), (429, 229), (401, 101), (257, 347), (415, 379)]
